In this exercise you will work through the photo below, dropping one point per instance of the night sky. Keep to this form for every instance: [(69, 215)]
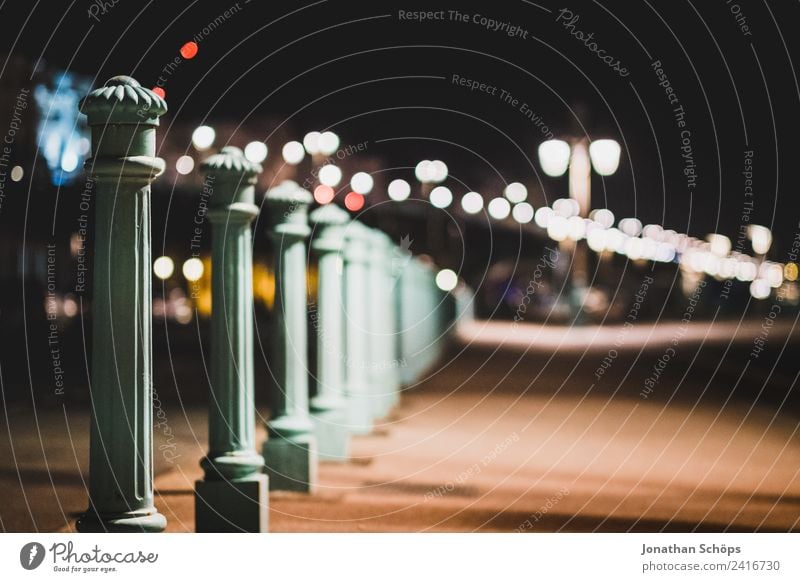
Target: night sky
[(375, 72)]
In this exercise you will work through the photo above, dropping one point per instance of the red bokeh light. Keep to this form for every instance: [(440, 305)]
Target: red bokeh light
[(354, 202), (189, 50), (160, 92), (323, 194)]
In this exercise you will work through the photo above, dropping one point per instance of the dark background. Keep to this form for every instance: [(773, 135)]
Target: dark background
[(273, 71)]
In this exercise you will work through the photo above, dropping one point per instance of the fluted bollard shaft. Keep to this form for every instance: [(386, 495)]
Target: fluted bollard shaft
[(290, 457), (233, 495), (383, 368), (123, 117), (329, 407), (360, 400)]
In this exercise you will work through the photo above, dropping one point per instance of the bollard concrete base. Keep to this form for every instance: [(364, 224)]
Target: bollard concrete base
[(146, 520), (232, 506), (332, 434), (360, 412), (291, 465)]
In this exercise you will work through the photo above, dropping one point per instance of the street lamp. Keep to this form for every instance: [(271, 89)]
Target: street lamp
[(578, 157)]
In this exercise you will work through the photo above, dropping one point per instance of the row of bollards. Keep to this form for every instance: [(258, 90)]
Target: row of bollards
[(379, 322)]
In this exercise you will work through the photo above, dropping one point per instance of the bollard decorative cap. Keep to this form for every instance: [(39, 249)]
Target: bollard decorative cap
[(231, 161), (329, 215), (358, 231), (288, 193), (123, 100)]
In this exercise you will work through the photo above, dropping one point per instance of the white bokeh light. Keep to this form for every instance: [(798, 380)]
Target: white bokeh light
[(523, 213), (163, 267), (516, 192), (423, 171), (184, 164), (256, 151), (311, 142), (437, 171), (472, 203), (441, 197), (361, 183), (203, 137), (293, 153), (328, 142), (499, 208), (330, 175), (399, 190), (446, 279)]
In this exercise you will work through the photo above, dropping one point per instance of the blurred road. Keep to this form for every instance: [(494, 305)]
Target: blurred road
[(518, 438)]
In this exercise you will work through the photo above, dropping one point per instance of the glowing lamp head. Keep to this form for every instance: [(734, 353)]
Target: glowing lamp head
[(554, 157), (605, 154)]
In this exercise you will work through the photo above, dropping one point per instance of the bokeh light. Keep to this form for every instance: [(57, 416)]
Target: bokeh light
[(472, 203), (163, 267), (441, 197), (354, 201), (330, 175), (193, 269), (256, 151), (399, 190), (203, 137), (446, 280), (293, 153), (189, 50), (361, 183), (184, 165), (324, 194)]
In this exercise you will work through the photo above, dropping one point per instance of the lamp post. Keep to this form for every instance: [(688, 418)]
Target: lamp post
[(578, 157)]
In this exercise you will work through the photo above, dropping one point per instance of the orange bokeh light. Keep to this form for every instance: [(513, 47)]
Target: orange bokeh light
[(189, 50), (354, 202), (160, 92), (323, 194)]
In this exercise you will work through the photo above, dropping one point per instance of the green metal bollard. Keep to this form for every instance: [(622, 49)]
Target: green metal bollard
[(329, 407), (383, 372), (290, 452), (123, 116), (356, 280), (233, 496)]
